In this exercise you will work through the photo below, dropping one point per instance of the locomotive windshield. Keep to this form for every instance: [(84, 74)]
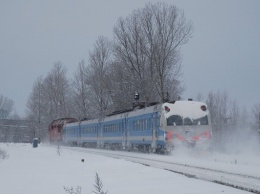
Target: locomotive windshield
[(177, 120)]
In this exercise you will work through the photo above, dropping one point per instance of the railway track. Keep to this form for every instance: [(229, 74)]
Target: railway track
[(236, 180)]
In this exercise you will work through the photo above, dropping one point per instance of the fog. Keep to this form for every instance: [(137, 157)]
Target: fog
[(242, 141)]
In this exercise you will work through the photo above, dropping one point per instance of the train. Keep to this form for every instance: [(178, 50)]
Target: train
[(55, 129), (157, 128)]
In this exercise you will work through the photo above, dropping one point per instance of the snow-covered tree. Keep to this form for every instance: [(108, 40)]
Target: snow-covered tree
[(50, 99), (57, 92), (218, 104), (148, 44), (81, 92), (36, 109), (256, 116), (6, 107), (230, 123), (97, 76)]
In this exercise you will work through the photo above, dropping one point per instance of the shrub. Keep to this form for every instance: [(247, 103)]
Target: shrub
[(98, 187)]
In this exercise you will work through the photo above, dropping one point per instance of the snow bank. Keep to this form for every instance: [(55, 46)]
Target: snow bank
[(42, 170)]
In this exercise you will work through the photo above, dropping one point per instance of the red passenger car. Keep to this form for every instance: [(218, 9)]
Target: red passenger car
[(55, 128)]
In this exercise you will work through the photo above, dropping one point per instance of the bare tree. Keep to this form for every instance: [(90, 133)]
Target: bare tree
[(121, 87), (50, 99), (256, 116), (148, 43), (6, 107), (36, 109), (57, 90), (244, 118), (218, 104), (97, 76), (234, 115), (230, 123), (81, 92)]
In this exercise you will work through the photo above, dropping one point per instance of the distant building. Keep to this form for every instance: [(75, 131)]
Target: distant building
[(12, 130)]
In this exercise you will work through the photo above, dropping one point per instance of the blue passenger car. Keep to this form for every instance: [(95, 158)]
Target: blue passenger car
[(89, 133), (71, 133), (112, 133), (135, 130), (143, 130)]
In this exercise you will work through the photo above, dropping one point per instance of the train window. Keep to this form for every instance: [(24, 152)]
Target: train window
[(174, 120), (135, 125), (120, 127), (71, 131), (201, 121), (187, 121), (149, 123)]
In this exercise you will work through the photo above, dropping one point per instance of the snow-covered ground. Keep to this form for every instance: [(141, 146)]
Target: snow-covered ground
[(47, 169)]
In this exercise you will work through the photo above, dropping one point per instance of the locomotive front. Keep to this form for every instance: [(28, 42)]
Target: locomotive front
[(187, 123)]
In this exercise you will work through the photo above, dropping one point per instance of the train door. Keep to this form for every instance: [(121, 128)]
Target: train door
[(79, 134), (99, 135), (128, 145), (124, 133), (154, 132)]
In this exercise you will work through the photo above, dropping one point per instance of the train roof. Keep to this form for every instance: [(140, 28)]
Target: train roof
[(190, 109), (62, 121), (124, 113), (146, 110)]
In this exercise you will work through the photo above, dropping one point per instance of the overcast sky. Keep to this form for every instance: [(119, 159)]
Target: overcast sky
[(224, 53)]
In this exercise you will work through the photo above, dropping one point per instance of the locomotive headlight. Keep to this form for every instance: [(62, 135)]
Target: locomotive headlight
[(167, 108), (203, 108)]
